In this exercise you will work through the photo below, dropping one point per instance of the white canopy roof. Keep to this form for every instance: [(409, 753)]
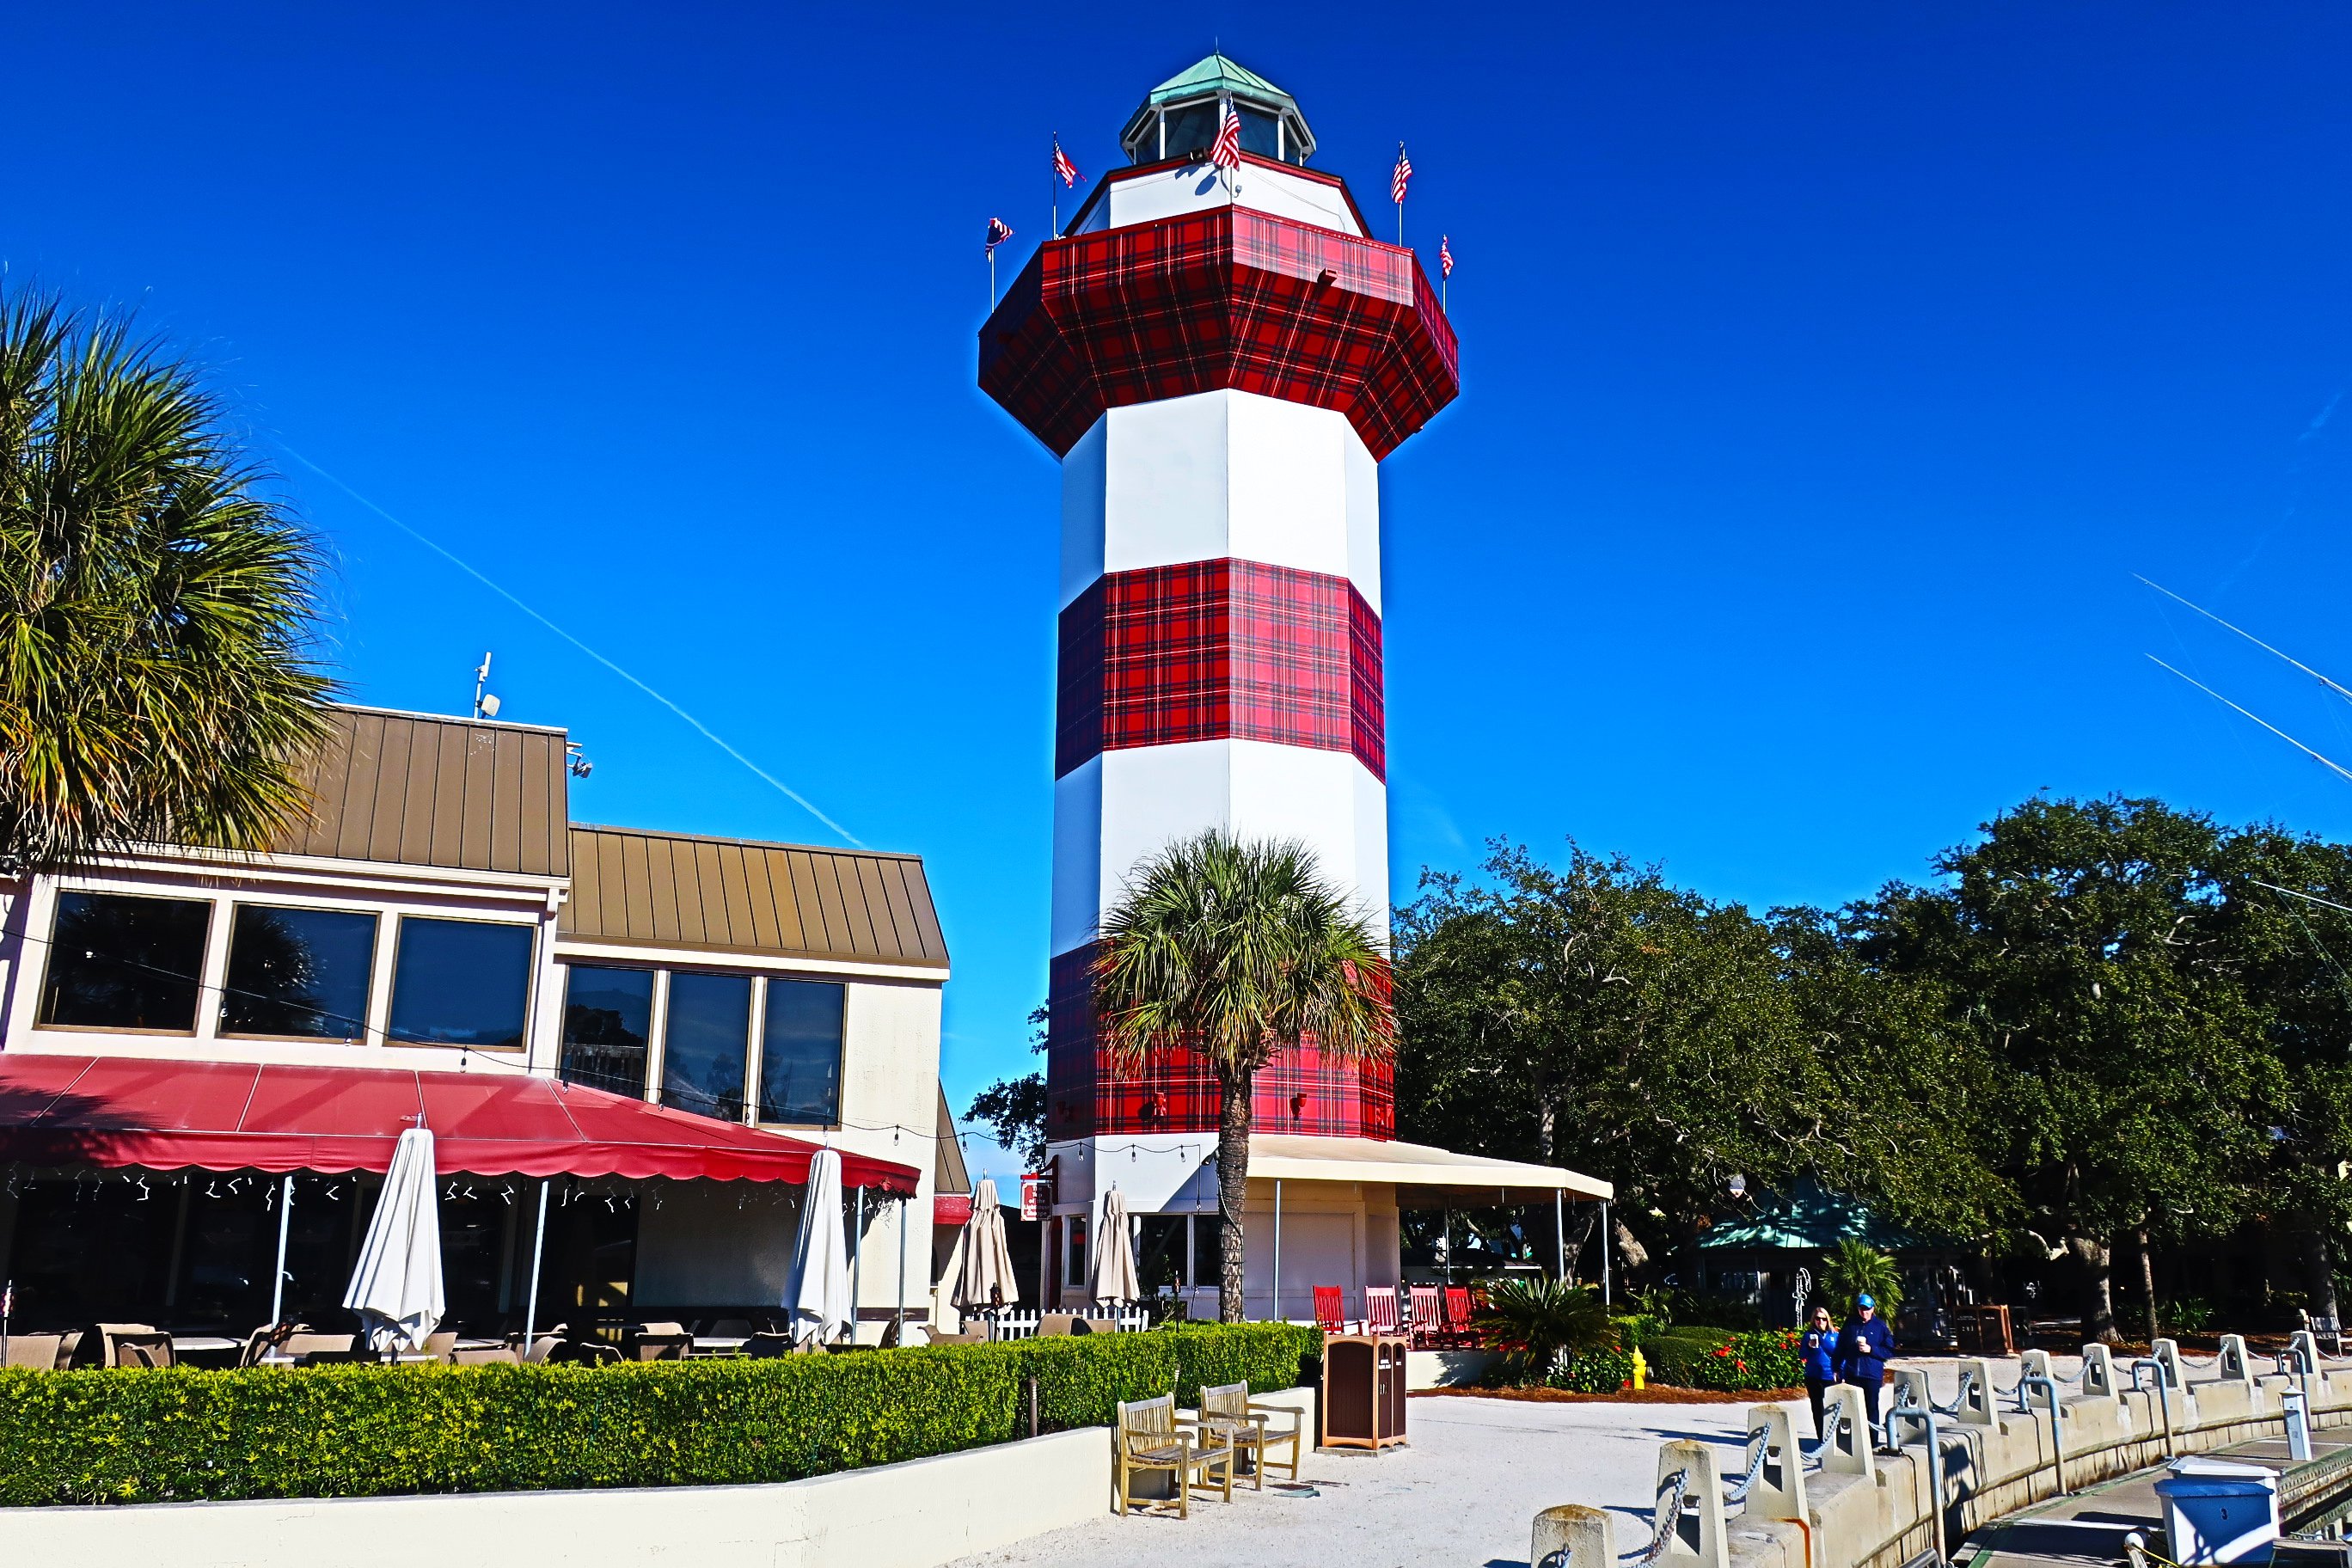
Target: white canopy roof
[(1424, 1177)]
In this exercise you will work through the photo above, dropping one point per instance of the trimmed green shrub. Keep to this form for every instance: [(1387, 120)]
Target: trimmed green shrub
[(184, 1435)]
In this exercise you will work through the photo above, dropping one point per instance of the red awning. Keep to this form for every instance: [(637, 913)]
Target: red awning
[(228, 1116), (950, 1211)]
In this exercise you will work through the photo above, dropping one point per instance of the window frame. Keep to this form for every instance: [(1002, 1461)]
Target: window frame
[(200, 983), (656, 1020), (375, 919), (531, 965), (754, 1017)]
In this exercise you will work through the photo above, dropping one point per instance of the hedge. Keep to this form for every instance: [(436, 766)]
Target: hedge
[(184, 1435), (1690, 1358)]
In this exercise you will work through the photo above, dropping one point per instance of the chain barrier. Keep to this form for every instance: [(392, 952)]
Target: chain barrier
[(1810, 1457), (1664, 1518), (1759, 1439)]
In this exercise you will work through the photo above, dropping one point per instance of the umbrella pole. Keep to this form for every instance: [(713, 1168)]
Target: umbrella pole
[(538, 1245), (1277, 1250), (278, 1280), (857, 1264), (906, 1207)]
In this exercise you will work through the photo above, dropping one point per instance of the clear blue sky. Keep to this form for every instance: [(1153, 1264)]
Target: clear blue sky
[(1829, 370)]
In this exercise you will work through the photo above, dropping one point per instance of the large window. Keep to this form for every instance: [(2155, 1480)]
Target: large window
[(800, 1052), (607, 1022), (1073, 1250), (705, 1038), (461, 982), (122, 962), (298, 972)]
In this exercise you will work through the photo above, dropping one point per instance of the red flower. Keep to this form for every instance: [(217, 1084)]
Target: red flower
[(1723, 1350), (1741, 1365)]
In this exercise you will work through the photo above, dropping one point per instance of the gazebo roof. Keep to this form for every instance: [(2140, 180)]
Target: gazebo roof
[(1806, 1218)]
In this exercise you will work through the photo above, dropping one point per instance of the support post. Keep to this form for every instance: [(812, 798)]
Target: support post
[(899, 1318), (1277, 1250), (278, 1278), (1608, 1245), (857, 1264), (537, 1249), (1560, 1234)]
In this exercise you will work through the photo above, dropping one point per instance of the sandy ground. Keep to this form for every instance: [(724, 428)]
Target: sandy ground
[(1463, 1494)]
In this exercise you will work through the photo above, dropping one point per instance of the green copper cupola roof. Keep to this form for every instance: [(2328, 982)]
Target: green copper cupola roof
[(1180, 117)]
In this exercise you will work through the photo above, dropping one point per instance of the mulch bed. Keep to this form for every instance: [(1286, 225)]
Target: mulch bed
[(1654, 1394)]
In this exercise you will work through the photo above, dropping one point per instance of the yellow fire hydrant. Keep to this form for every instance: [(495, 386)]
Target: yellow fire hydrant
[(1641, 1370)]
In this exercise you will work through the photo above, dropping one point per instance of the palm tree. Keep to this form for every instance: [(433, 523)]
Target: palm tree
[(1853, 1267), (1238, 949), (155, 607)]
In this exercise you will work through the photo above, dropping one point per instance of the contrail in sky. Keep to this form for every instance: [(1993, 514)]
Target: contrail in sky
[(2257, 718), (704, 729)]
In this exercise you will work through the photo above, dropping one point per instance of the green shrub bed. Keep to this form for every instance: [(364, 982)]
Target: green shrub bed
[(1682, 1358), (184, 1435)]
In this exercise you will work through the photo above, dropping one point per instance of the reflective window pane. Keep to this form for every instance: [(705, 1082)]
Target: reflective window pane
[(800, 1052), (461, 982), (122, 963), (607, 1023), (298, 972), (1259, 131), (705, 1043), (1191, 128), (1208, 1249), (1159, 1250), (1074, 1251)]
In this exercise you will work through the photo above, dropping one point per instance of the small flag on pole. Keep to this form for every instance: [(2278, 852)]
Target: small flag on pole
[(1445, 257), (1397, 180), (1066, 170), (1227, 152), (999, 231)]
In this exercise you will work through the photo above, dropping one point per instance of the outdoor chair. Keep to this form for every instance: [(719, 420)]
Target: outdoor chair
[(44, 1352), (1330, 1309), (1148, 1441), (485, 1355), (659, 1341), (438, 1347), (1426, 1316), (96, 1344), (1051, 1323), (1457, 1311), (1229, 1416), (728, 1329), (1380, 1309), (152, 1349)]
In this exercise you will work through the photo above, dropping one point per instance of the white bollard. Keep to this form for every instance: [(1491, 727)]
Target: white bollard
[(1573, 1533), (1695, 1539), (1780, 1489), (1977, 1394)]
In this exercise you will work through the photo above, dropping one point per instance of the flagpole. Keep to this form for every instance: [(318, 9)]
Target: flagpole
[(1053, 197)]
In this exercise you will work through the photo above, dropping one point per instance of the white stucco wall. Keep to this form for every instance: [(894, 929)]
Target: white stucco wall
[(1170, 193), (914, 1515), (1220, 474)]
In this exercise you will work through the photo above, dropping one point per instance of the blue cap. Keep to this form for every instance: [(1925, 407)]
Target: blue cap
[(1865, 1299)]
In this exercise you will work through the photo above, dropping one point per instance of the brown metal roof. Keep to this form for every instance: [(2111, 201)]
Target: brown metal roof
[(777, 901), (421, 790), (949, 1173)]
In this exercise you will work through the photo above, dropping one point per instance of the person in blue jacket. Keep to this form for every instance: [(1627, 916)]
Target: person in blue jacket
[(1864, 1346), (1821, 1362)]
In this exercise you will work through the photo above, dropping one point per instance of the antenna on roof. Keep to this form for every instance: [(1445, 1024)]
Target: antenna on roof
[(485, 706)]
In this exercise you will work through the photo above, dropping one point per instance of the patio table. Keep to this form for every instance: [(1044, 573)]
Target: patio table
[(206, 1350), (719, 1344)]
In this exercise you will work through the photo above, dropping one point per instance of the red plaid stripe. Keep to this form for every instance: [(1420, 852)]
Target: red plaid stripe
[(1227, 297), (1175, 1091), (1221, 650)]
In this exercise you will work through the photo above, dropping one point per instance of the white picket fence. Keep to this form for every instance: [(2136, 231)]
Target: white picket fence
[(1021, 1324)]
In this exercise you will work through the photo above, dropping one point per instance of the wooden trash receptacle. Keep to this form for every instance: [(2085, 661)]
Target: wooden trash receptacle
[(1363, 1402)]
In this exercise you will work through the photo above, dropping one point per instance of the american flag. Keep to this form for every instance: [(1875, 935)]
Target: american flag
[(1227, 152), (1063, 167), (1403, 173), (1444, 257), (999, 231)]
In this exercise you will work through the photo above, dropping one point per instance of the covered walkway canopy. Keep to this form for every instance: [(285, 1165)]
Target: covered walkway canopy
[(1424, 1177), (167, 1113)]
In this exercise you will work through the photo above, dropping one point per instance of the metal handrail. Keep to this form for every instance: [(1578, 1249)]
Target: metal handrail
[(1929, 1418), (2163, 1392), (2057, 1440)]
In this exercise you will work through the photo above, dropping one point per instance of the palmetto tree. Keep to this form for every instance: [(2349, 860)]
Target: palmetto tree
[(1238, 949), (154, 603)]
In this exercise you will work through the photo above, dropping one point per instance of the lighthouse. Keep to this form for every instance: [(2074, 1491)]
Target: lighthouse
[(1219, 359)]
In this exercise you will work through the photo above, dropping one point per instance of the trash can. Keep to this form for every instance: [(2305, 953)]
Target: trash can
[(2215, 1511)]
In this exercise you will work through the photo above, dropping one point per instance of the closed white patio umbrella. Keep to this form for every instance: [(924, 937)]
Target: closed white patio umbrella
[(396, 1289), (1116, 1280), (818, 1296), (986, 1280)]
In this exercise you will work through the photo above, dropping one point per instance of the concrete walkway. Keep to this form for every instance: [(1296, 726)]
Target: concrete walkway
[(1463, 1494)]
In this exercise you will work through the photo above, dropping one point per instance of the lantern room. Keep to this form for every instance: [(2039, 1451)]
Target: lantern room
[(1179, 118)]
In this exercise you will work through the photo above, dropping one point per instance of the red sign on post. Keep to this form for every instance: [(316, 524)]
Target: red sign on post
[(1037, 1195)]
